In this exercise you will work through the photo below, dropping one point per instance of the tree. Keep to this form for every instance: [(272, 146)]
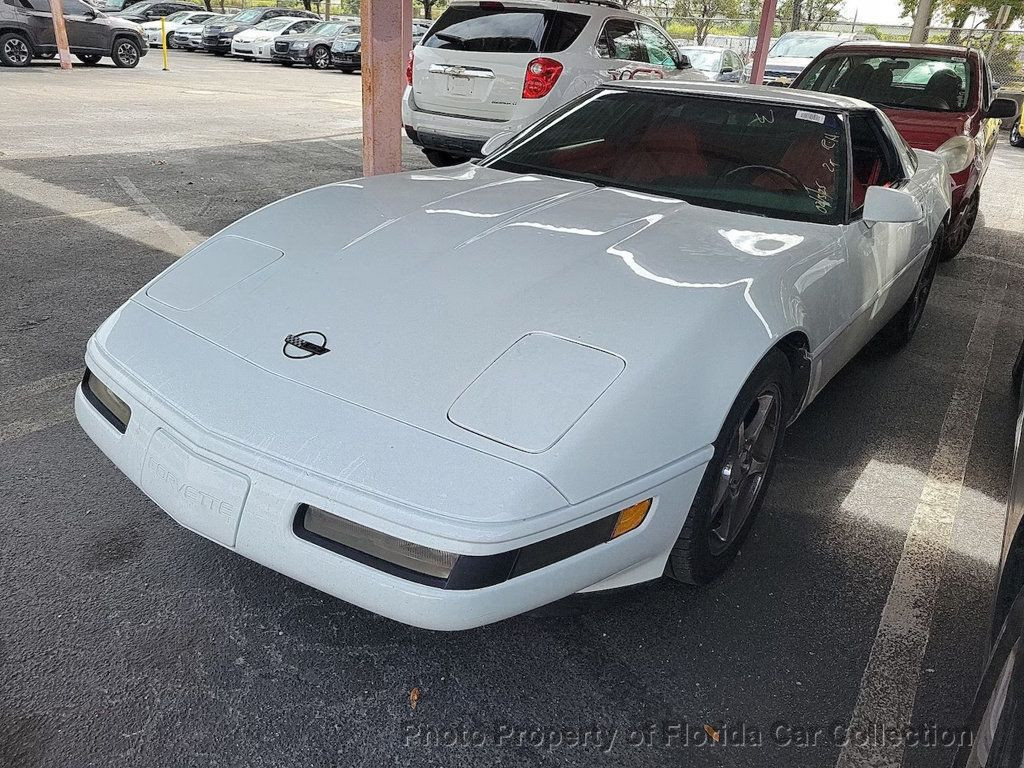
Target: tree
[(811, 14), (428, 6), (955, 13)]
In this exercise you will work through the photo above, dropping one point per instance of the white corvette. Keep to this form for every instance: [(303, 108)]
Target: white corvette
[(258, 42), (453, 396)]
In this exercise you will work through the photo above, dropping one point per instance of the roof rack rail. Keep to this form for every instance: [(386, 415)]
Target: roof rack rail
[(606, 3)]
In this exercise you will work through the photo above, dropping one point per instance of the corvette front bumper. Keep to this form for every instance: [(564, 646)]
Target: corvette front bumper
[(221, 485)]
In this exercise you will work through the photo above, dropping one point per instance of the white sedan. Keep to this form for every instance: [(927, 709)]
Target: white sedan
[(258, 42), (451, 396), (174, 22)]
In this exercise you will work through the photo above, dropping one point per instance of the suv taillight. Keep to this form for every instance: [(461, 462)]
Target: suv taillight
[(541, 76), (408, 68)]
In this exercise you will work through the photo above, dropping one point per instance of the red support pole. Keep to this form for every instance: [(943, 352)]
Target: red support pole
[(384, 56), (764, 39)]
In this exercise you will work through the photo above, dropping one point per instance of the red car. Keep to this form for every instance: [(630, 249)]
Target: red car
[(939, 97)]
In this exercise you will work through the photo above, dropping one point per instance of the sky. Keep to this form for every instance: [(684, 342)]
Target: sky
[(875, 11)]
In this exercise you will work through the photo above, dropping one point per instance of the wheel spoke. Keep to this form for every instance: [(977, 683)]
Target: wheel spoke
[(764, 409)]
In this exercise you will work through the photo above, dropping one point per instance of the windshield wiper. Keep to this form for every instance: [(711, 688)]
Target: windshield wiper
[(448, 38)]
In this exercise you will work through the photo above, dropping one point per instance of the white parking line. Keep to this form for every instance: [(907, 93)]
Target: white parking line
[(34, 422), (124, 222), (889, 684), (41, 386), (182, 239), (51, 418)]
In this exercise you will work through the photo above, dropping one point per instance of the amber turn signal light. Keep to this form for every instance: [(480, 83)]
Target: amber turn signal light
[(631, 517)]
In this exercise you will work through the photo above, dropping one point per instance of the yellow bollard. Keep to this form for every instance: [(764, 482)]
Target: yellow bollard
[(163, 40)]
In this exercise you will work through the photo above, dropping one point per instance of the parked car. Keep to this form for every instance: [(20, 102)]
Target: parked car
[(1016, 139), (715, 63), (312, 47), (489, 68), (190, 36), (939, 97), (997, 717), (583, 430), (793, 51), (217, 37), (346, 53), (172, 23), (258, 42), (26, 32), (152, 11)]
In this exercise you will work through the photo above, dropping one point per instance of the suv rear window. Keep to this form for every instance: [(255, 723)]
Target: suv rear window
[(505, 29)]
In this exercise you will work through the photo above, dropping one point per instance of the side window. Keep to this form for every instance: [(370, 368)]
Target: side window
[(24, 4), (75, 8), (875, 162), (619, 40), (660, 50)]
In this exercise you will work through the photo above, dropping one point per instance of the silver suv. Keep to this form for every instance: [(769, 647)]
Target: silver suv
[(26, 32), (487, 68)]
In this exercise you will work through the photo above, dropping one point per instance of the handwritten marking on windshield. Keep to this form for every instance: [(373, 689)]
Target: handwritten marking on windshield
[(763, 119)]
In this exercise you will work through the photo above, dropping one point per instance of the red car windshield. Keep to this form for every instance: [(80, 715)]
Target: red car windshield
[(932, 83)]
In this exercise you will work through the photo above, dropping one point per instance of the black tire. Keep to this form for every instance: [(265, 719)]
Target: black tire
[(46, 56), (348, 70), (15, 50), (708, 542), (442, 159), (1016, 140), (170, 43), (286, 63), (88, 58), (219, 53), (320, 57), (957, 235), (126, 53), (246, 58), (900, 329)]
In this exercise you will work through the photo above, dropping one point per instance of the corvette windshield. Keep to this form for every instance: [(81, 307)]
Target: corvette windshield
[(761, 158)]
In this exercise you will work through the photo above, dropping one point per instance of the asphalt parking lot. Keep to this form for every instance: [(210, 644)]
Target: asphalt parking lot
[(125, 640)]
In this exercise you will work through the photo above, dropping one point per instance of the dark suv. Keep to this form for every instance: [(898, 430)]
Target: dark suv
[(26, 32), (217, 37), (140, 12)]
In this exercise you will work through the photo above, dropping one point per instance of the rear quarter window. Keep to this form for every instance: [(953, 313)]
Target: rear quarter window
[(505, 30)]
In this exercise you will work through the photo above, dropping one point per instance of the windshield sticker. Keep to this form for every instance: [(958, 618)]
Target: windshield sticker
[(814, 117)]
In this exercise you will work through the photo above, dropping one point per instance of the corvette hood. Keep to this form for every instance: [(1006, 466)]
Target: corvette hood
[(420, 283)]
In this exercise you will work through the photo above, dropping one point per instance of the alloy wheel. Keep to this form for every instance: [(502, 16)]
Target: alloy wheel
[(321, 58), (744, 469), (16, 50), (966, 223), (127, 54)]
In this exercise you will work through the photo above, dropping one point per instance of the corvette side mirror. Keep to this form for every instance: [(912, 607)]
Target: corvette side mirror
[(891, 206), (496, 142)]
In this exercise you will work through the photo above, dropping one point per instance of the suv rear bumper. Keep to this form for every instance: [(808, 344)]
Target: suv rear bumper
[(454, 134)]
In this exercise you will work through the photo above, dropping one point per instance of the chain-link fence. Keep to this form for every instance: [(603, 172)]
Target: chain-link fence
[(1005, 48)]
